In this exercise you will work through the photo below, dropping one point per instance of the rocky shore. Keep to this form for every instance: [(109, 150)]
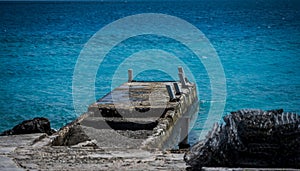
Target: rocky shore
[(248, 139)]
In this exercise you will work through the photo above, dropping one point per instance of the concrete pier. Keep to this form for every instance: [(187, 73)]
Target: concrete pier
[(142, 115), (137, 115)]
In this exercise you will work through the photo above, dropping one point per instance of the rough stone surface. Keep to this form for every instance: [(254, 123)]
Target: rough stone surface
[(88, 158), (250, 138), (36, 125), (8, 145), (25, 155), (7, 163), (20, 152)]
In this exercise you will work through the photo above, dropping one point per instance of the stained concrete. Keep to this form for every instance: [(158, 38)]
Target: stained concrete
[(139, 108)]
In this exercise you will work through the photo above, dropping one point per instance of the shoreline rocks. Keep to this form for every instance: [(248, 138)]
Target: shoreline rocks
[(35, 125), (250, 138)]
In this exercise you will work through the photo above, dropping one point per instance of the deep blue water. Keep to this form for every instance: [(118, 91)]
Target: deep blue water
[(258, 43)]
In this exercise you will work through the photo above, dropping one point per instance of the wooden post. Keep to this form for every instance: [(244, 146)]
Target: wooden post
[(170, 92), (130, 75)]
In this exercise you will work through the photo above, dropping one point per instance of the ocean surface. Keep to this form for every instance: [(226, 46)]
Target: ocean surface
[(257, 41)]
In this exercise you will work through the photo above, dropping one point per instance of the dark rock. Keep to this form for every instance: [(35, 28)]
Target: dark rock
[(36, 125), (70, 135), (75, 135), (250, 138)]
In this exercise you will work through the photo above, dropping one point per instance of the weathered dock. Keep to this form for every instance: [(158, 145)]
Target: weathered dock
[(143, 114)]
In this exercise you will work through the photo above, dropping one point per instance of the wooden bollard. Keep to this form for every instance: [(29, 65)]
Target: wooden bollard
[(130, 75), (170, 92), (177, 89)]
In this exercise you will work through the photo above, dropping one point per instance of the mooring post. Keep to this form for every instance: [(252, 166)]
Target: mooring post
[(182, 77), (182, 80), (180, 70), (130, 75), (177, 88), (170, 92)]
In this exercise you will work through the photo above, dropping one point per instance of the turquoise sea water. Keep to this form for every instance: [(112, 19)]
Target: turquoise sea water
[(258, 43)]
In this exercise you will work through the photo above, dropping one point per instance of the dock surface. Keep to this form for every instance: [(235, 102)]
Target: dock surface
[(138, 115)]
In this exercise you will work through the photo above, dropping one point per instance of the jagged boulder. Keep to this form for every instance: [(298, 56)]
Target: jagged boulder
[(36, 125), (70, 135), (250, 138), (74, 136)]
